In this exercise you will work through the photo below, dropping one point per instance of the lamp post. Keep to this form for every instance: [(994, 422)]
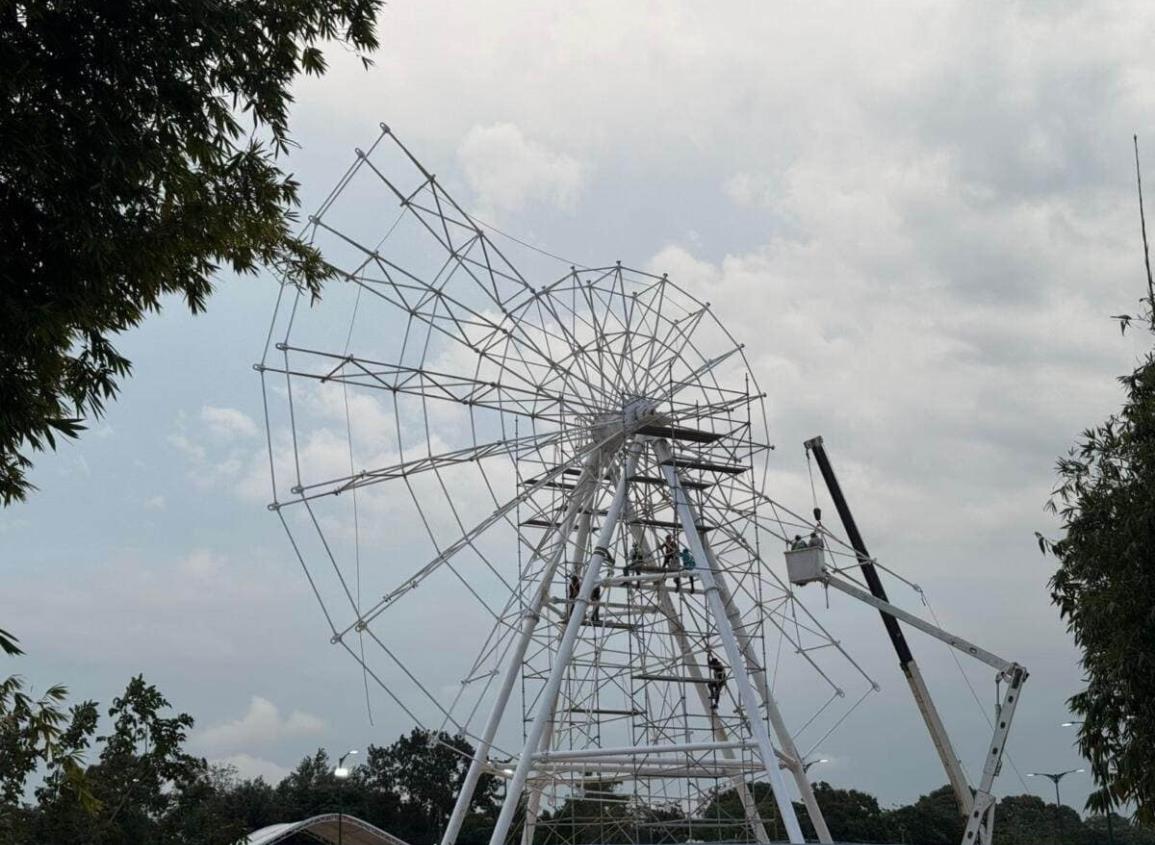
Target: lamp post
[(1055, 777), (1110, 809), (806, 764), (342, 774)]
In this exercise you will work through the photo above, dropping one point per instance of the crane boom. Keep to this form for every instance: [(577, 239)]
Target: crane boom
[(976, 805)]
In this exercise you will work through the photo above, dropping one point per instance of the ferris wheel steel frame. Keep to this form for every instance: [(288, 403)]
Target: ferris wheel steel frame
[(609, 392)]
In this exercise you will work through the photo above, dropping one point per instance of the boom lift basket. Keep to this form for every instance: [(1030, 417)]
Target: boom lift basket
[(806, 564)]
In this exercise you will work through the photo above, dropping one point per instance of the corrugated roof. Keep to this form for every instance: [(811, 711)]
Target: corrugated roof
[(354, 831)]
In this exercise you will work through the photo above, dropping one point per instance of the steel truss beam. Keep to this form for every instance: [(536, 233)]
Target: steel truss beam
[(717, 729), (711, 579), (565, 651)]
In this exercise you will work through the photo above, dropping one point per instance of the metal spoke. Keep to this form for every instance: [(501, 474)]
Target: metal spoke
[(524, 420)]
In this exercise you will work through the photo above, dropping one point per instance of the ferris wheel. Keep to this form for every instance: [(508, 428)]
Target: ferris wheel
[(531, 501)]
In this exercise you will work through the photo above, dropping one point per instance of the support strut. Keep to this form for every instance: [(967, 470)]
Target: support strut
[(977, 807), (906, 661)]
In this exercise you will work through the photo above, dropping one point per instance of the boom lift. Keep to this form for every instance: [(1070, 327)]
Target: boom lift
[(808, 565)]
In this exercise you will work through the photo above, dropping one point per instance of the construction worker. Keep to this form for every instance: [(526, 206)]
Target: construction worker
[(717, 681), (688, 564), (572, 590), (596, 603), (636, 562), (669, 558)]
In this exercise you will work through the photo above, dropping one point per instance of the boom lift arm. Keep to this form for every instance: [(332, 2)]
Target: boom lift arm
[(976, 805)]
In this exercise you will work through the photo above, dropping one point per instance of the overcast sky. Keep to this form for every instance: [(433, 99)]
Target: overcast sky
[(917, 217)]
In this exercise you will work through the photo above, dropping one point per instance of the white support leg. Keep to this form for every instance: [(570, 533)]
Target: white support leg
[(530, 619), (983, 807), (718, 731), (746, 695), (541, 718), (987, 832), (793, 760), (939, 736), (533, 804)]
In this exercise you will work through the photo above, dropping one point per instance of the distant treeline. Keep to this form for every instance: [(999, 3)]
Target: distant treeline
[(140, 787)]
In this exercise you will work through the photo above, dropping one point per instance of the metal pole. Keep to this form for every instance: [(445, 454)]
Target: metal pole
[(533, 805), (717, 729), (869, 573), (906, 662), (513, 667), (982, 808), (1004, 667), (792, 757), (565, 650), (342, 774), (746, 695)]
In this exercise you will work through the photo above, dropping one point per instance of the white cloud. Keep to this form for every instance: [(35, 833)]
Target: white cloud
[(917, 220), (228, 423), (202, 564), (506, 170), (684, 269), (222, 453), (250, 767), (261, 726), (201, 609)]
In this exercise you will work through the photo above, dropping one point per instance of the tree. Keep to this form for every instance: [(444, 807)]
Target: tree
[(141, 777), (310, 789), (1025, 819), (35, 732), (1102, 588), (202, 811), (252, 803), (126, 174), (425, 770), (851, 815), (931, 820), (1105, 579), (1122, 831)]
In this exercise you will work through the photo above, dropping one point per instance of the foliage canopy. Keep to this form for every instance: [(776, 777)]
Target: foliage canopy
[(139, 142), (1106, 578), (150, 789), (1103, 589)]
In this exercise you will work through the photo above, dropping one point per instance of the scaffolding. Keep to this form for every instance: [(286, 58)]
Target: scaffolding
[(581, 463)]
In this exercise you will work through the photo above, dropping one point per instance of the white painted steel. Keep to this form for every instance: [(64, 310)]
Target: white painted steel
[(791, 756), (639, 750), (533, 805), (565, 650), (513, 666), (746, 694), (965, 646)]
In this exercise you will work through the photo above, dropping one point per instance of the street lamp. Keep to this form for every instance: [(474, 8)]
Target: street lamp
[(1055, 777), (342, 774), (1110, 807), (808, 763)]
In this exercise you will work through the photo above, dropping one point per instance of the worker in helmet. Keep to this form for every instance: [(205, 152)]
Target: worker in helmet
[(635, 563), (669, 557), (572, 589), (717, 681), (688, 564)]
